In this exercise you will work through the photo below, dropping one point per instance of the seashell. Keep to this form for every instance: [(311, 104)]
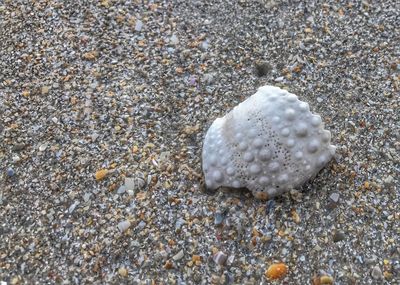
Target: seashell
[(270, 143)]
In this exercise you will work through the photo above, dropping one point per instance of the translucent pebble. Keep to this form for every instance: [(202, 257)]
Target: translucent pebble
[(124, 225)]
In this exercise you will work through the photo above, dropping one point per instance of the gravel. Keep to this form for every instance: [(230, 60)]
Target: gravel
[(99, 95)]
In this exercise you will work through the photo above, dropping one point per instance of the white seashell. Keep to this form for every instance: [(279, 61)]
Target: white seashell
[(270, 144)]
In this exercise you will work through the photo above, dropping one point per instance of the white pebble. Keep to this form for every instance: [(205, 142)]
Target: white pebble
[(123, 226), (138, 26)]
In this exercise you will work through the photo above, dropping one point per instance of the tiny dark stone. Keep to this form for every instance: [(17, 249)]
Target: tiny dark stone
[(339, 236), (263, 69)]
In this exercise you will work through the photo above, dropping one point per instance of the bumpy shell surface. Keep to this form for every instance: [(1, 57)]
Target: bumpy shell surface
[(270, 143)]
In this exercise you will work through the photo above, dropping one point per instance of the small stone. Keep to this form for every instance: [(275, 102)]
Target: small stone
[(218, 219), (388, 180), (45, 90), (18, 147), (72, 208), (123, 272), (91, 55), (16, 159), (334, 197), (276, 271), (123, 226), (54, 120), (138, 25), (263, 68), (339, 236), (174, 40), (376, 273), (326, 279), (220, 258), (168, 265), (196, 258), (101, 174), (42, 147), (10, 172), (130, 183), (178, 256), (279, 79), (121, 189)]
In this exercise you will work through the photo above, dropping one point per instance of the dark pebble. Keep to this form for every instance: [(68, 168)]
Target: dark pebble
[(339, 236), (263, 69)]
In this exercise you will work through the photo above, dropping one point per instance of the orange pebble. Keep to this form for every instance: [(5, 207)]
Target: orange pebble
[(276, 271), (100, 174)]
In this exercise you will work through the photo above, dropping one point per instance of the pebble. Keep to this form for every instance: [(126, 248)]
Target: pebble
[(388, 180), (16, 159), (218, 219), (376, 273), (18, 147), (174, 40), (130, 183), (263, 69), (10, 172), (178, 256), (45, 90), (42, 147), (334, 197), (279, 79), (326, 279), (71, 208), (220, 258), (121, 189), (123, 226), (338, 236), (138, 25), (101, 174), (122, 271), (276, 271)]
